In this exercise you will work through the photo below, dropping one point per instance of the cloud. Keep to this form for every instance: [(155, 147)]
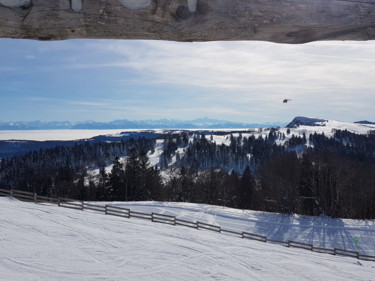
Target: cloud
[(245, 66), (229, 80), (89, 104)]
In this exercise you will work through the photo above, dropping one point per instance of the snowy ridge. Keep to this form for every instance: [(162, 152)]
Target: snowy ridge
[(328, 127), (44, 242)]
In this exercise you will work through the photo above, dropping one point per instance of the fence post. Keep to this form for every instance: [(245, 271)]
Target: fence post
[(35, 198), (11, 192)]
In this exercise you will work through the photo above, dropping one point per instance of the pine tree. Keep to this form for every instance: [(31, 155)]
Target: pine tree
[(102, 189), (117, 181), (245, 189)]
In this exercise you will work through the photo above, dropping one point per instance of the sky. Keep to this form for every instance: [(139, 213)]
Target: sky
[(239, 81)]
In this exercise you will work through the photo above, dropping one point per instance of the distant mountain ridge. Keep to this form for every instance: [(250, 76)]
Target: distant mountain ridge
[(201, 123), (365, 122)]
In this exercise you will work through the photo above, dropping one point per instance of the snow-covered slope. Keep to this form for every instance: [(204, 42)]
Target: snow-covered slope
[(328, 126), (40, 242), (324, 232)]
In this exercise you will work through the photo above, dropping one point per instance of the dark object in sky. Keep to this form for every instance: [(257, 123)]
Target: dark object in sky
[(286, 100)]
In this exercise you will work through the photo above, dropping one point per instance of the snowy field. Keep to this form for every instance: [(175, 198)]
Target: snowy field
[(44, 242)]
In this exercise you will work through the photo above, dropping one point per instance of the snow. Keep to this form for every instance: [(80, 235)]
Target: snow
[(154, 158), (45, 242), (328, 127), (321, 231), (49, 135)]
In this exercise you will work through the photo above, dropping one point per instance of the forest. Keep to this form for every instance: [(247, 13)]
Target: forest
[(308, 175)]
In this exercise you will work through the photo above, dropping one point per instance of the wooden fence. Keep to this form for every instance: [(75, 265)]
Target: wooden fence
[(172, 220)]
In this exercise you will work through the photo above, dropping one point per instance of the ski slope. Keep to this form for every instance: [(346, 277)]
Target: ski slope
[(322, 231), (45, 242)]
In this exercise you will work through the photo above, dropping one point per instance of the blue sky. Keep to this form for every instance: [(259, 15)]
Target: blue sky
[(104, 80)]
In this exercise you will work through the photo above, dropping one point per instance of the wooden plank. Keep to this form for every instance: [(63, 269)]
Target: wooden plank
[(4, 192), (223, 230), (300, 245), (71, 205), (253, 236), (24, 197), (140, 215), (284, 243), (347, 253), (94, 207), (186, 223), (117, 208), (323, 250), (161, 218), (45, 199), (281, 21), (117, 211), (366, 257), (20, 192), (207, 226)]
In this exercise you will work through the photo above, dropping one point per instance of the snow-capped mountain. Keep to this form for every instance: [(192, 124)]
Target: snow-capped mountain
[(201, 123)]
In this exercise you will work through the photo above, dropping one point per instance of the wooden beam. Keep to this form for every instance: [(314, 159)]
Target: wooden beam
[(281, 21)]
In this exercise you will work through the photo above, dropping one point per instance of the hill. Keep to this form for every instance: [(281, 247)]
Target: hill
[(306, 169), (41, 242)]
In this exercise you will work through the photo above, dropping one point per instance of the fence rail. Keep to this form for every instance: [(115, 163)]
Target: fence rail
[(94, 207), (323, 250), (117, 211), (190, 224), (71, 204), (300, 245), (171, 220), (253, 236), (161, 218)]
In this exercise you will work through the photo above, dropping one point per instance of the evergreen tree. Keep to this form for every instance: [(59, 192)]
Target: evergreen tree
[(117, 181), (102, 189), (245, 189)]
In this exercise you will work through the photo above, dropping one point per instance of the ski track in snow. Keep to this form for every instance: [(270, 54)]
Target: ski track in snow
[(46, 242)]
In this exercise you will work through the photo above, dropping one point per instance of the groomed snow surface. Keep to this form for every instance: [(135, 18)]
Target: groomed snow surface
[(46, 242)]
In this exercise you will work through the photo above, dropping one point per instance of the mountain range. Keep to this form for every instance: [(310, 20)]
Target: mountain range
[(200, 123)]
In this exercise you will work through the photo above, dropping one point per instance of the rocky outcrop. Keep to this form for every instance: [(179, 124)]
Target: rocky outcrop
[(282, 21)]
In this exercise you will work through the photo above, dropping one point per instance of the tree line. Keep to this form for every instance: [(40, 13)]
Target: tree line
[(314, 175)]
